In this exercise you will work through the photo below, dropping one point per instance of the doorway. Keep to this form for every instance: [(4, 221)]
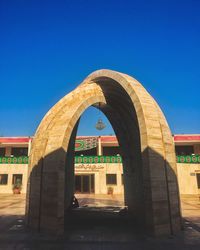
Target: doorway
[(84, 183)]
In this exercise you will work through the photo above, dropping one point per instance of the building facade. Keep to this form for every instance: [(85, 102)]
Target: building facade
[(14, 153), (98, 164)]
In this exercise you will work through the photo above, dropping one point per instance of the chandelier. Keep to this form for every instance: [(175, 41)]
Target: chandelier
[(100, 125)]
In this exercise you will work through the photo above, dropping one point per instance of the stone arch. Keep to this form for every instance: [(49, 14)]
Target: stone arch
[(149, 162)]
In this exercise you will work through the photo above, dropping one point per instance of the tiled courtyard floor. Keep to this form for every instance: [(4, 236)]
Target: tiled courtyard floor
[(89, 235)]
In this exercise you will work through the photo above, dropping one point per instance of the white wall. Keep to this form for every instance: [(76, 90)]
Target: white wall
[(187, 179), (11, 169)]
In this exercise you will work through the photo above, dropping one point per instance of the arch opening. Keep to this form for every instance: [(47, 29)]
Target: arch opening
[(147, 149), (101, 200), (121, 113)]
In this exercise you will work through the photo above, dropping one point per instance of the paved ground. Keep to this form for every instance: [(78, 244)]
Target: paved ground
[(104, 230)]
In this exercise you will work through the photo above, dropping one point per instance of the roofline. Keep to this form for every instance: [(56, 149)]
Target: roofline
[(25, 139)]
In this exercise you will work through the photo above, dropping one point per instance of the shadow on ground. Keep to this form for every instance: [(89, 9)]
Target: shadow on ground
[(94, 228)]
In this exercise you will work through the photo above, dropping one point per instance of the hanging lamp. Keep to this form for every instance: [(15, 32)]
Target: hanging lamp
[(100, 125)]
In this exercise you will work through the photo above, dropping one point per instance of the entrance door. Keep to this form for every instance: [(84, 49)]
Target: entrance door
[(78, 184), (84, 183)]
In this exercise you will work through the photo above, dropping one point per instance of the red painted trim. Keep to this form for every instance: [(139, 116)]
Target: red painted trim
[(85, 137), (14, 140), (104, 139), (186, 137), (109, 139)]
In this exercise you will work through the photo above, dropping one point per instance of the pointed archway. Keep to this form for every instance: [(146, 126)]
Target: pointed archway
[(149, 162)]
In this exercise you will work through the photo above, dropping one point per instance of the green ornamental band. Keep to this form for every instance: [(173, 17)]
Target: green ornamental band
[(195, 159)]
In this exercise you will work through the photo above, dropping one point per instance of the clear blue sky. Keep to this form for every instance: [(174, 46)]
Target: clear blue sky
[(48, 47)]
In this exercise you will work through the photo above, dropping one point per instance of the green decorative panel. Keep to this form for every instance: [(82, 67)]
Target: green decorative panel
[(188, 159), (195, 159), (14, 160), (85, 143), (97, 159)]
